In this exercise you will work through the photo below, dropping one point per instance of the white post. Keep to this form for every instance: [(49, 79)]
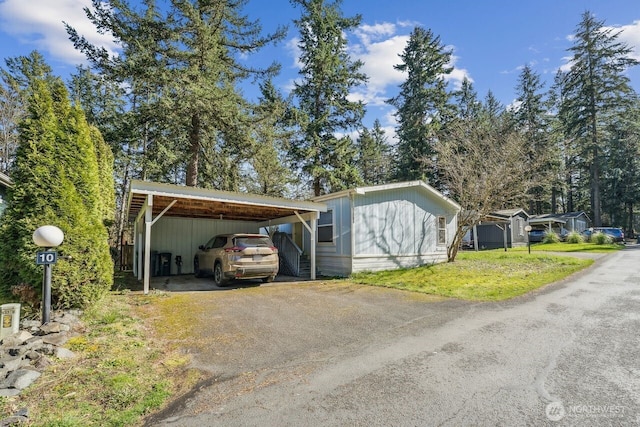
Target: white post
[(148, 218), (314, 232)]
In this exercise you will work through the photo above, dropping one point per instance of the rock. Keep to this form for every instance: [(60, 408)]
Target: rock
[(50, 328), (42, 363), (11, 341), (33, 343), (23, 336), (30, 324), (21, 379), (47, 349), (63, 353), (11, 363), (20, 417), (9, 392), (59, 338)]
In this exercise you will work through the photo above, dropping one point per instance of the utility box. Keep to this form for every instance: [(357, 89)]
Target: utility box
[(10, 319)]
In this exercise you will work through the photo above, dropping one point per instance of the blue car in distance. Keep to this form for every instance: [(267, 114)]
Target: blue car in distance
[(616, 234)]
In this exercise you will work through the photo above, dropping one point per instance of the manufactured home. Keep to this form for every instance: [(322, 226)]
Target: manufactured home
[(382, 227)]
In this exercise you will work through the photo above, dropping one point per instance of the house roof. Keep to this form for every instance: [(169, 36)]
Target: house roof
[(546, 219), (418, 185), (192, 202), (575, 215), (508, 213)]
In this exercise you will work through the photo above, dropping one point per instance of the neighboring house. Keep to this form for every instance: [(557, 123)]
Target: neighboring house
[(5, 182), (501, 229), (382, 227), (562, 223)]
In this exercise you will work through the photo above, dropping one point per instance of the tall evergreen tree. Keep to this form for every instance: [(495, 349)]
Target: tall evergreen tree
[(375, 155), (104, 104), (621, 172), (594, 89), (57, 181), (324, 110), (422, 104), (14, 81), (270, 172), (531, 117), (183, 66), (466, 101)]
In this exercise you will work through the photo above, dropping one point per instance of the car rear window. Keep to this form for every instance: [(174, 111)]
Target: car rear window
[(251, 242)]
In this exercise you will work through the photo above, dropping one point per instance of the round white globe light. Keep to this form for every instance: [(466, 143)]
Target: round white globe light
[(48, 236)]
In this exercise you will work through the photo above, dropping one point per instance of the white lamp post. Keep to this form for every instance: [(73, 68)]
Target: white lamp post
[(47, 236)]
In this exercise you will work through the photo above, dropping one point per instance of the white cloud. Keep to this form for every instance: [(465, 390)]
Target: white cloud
[(366, 33), (631, 36), (40, 25), (378, 59)]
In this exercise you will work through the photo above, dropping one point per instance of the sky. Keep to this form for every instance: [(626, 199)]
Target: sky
[(491, 40)]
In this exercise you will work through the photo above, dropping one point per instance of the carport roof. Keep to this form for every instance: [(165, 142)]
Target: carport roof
[(192, 202)]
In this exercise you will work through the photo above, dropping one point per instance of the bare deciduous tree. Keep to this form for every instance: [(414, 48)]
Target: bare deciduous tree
[(483, 169)]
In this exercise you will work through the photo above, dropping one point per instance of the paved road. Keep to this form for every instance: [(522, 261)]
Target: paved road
[(323, 354)]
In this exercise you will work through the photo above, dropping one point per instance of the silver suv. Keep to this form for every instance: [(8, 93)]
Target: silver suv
[(237, 256)]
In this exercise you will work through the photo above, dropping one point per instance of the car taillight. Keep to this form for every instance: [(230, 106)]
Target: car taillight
[(233, 249)]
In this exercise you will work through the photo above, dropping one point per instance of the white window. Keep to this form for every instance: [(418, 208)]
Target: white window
[(442, 230), (325, 227)]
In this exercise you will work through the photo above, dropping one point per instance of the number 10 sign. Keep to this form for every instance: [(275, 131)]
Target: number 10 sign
[(46, 257)]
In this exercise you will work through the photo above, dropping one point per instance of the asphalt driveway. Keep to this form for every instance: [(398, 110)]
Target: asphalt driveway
[(324, 353)]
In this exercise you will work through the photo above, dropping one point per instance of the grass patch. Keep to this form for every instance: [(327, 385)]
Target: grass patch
[(480, 276), (122, 372)]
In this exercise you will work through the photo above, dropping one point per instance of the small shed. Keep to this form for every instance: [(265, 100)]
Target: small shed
[(383, 227), (504, 228)]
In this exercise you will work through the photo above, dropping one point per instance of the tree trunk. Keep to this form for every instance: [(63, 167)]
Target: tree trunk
[(595, 191), (194, 151)]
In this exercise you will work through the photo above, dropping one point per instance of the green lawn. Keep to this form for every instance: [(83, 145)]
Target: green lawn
[(571, 247), (480, 276)]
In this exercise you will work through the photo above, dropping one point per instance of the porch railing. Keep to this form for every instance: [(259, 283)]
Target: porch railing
[(289, 254)]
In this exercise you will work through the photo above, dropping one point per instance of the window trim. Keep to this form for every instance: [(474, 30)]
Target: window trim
[(441, 229), (331, 226)]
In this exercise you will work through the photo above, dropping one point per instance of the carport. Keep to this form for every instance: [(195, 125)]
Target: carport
[(149, 202)]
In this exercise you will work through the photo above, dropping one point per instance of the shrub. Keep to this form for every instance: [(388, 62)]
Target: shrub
[(550, 237), (600, 238), (57, 182), (575, 237)]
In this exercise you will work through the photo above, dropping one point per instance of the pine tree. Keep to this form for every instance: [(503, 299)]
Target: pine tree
[(594, 89), (57, 182), (621, 172), (422, 104), (271, 174), (324, 110), (531, 117), (183, 69), (375, 158)]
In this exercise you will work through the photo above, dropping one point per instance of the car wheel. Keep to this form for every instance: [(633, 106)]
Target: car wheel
[(268, 279), (218, 276), (196, 267)]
